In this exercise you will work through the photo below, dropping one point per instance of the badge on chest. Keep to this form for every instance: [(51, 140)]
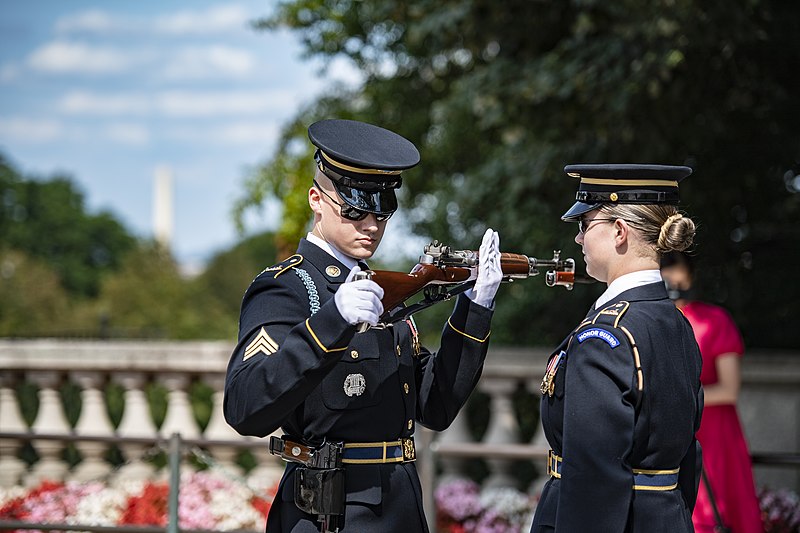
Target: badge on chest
[(355, 385)]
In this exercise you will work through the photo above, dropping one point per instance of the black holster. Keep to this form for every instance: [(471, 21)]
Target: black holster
[(319, 491)]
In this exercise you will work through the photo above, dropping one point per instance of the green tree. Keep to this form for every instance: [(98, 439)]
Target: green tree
[(229, 273), (500, 97), (288, 177), (148, 297), (32, 301), (47, 219)]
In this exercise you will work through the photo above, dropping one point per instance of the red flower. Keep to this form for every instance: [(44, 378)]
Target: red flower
[(14, 510), (261, 505), (149, 508)]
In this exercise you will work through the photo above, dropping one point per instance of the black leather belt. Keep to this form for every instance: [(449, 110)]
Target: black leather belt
[(329, 453)]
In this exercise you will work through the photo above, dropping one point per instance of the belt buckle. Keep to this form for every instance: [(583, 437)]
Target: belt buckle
[(409, 452), (552, 464), (291, 451)]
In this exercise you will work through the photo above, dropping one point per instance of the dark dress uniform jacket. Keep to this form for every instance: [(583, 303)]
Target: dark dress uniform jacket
[(289, 368), (603, 426)]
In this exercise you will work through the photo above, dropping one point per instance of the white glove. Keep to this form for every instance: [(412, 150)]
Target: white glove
[(360, 300), (489, 272)]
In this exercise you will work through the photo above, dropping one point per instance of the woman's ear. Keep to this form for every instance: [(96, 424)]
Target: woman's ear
[(621, 232)]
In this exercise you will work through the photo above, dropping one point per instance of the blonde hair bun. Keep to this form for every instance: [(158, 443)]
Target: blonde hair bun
[(677, 234)]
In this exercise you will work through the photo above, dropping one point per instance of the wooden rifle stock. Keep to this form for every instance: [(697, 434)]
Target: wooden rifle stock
[(399, 287)]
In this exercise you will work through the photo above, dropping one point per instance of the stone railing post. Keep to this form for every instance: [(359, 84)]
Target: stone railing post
[(503, 427), (219, 430), (11, 468), (180, 418), (92, 422), (50, 420), (136, 422), (457, 433)]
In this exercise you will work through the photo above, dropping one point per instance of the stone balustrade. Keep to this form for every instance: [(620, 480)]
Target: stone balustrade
[(769, 406)]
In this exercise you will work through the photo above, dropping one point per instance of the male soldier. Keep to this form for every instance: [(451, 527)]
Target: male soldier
[(348, 402)]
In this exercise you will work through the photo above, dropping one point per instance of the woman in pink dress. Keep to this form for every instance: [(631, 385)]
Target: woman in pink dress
[(726, 459)]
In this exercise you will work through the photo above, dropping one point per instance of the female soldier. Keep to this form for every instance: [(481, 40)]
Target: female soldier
[(621, 395)]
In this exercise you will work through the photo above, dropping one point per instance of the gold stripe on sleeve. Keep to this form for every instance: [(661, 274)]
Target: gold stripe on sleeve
[(316, 339), (467, 335)]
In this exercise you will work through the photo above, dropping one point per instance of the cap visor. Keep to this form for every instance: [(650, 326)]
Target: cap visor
[(578, 209), (383, 202)]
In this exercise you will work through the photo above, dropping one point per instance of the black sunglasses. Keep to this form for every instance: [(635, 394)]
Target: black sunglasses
[(584, 223), (352, 213)]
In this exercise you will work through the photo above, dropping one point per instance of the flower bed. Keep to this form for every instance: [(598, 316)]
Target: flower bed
[(462, 507), (780, 510), (206, 501)]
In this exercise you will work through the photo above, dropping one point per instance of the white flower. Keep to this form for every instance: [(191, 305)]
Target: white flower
[(508, 503), (102, 508), (9, 493)]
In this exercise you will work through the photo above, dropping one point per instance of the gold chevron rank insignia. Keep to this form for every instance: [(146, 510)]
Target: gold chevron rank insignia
[(262, 343)]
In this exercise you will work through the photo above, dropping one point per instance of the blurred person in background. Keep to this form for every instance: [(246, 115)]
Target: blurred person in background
[(726, 459)]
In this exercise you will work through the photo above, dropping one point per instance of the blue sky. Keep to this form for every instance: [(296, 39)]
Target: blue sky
[(107, 92)]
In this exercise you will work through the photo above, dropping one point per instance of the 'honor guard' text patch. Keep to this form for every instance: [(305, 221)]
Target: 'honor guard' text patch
[(598, 333), (262, 343)]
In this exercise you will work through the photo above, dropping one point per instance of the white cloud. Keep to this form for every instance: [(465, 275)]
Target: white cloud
[(131, 134), (86, 103), (248, 132), (180, 104), (244, 132), (68, 57), (208, 62), (30, 130), (93, 21), (204, 104), (217, 19), (186, 63)]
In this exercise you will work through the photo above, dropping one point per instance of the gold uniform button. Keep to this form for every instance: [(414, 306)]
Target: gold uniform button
[(405, 387), (354, 354), (398, 350), (410, 424)]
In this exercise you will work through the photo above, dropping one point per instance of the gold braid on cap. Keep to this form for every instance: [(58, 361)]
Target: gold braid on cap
[(662, 237)]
